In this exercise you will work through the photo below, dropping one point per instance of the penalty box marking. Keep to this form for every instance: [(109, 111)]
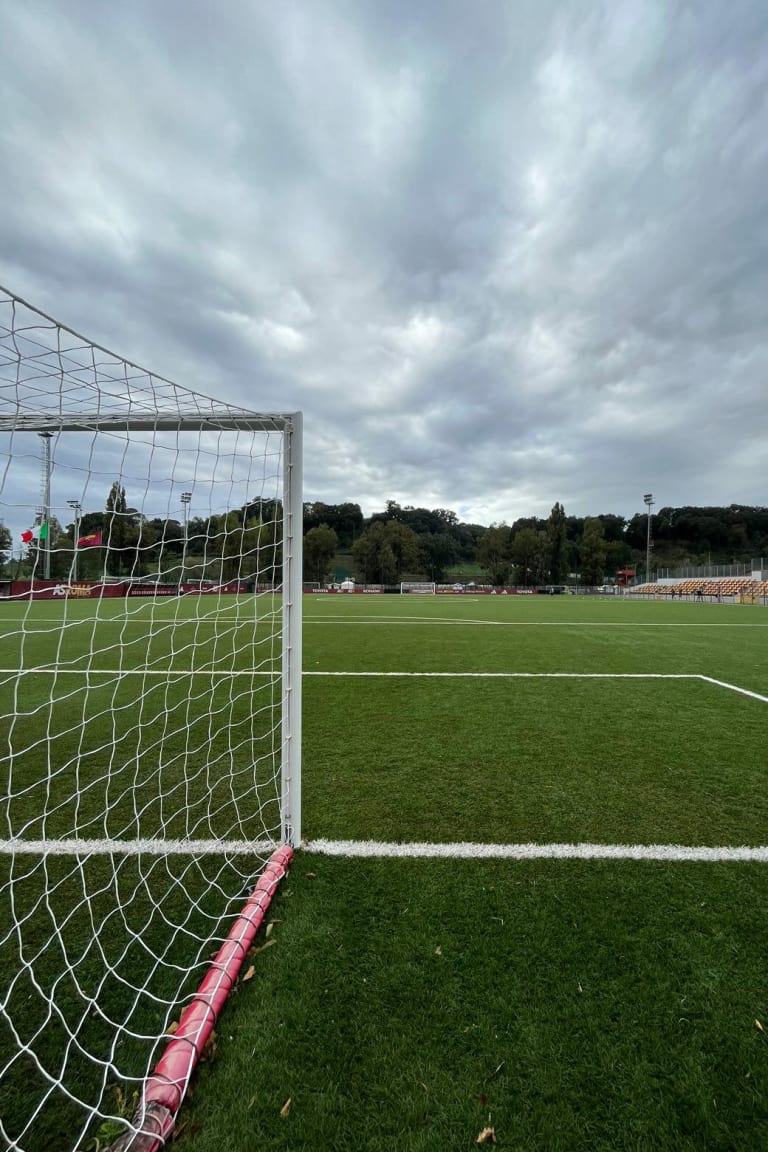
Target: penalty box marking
[(372, 849), (227, 674)]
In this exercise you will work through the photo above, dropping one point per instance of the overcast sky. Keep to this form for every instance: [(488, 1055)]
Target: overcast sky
[(500, 254)]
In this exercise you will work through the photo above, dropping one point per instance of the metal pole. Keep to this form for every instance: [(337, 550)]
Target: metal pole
[(77, 507), (46, 516), (185, 501), (648, 500), (293, 523)]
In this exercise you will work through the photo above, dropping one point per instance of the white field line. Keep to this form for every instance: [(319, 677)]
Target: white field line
[(735, 688), (170, 622), (233, 673), (515, 623), (228, 673), (378, 849), (524, 675), (78, 847), (465, 851), (169, 673)]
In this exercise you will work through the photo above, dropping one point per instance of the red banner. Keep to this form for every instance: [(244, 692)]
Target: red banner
[(92, 541)]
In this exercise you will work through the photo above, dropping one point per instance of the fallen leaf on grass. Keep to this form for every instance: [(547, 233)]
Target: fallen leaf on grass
[(438, 951), (311, 875), (255, 951), (249, 975), (172, 1028), (286, 1108), (487, 1136), (759, 1026)]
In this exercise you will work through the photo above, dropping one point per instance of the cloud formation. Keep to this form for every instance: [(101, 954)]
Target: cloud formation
[(500, 255)]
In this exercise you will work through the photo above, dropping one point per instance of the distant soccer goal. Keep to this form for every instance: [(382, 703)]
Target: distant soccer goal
[(150, 725), (418, 587)]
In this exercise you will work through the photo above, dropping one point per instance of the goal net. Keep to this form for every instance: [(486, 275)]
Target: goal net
[(418, 587), (150, 627)]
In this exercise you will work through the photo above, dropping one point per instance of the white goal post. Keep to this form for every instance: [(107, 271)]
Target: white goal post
[(150, 724), (418, 587)]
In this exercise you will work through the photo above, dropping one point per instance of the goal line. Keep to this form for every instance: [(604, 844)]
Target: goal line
[(374, 849), (582, 851)]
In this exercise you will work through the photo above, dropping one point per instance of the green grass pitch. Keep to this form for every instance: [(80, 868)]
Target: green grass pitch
[(410, 1003)]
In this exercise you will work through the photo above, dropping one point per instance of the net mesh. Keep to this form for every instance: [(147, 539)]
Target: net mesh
[(142, 633)]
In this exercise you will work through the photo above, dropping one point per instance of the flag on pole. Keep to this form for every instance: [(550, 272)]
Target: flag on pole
[(39, 532), (91, 541)]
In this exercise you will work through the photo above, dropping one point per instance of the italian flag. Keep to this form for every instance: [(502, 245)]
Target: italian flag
[(39, 532)]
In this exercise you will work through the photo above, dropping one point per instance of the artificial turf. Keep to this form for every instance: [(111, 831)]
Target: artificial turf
[(409, 1004)]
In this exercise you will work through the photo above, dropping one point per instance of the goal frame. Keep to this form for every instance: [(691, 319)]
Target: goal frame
[(418, 588), (291, 426)]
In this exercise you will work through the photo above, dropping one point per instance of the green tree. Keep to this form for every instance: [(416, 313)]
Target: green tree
[(438, 552), (558, 545), (493, 553), (320, 546), (525, 555), (250, 549), (373, 556), (115, 525), (385, 551), (6, 544), (593, 552), (405, 548), (346, 520)]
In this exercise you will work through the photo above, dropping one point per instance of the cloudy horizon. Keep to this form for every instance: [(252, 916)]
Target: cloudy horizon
[(499, 255)]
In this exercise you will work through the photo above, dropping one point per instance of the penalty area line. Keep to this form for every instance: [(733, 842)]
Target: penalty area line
[(734, 688), (468, 851)]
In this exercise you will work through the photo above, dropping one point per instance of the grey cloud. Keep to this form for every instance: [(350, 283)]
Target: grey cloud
[(500, 255)]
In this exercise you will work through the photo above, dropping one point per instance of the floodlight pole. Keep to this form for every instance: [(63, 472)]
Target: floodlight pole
[(186, 497), (45, 519), (78, 508), (648, 501)]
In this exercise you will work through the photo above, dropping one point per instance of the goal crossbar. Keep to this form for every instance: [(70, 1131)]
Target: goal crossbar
[(135, 422)]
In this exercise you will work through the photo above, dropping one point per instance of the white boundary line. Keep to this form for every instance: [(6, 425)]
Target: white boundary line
[(525, 675), (734, 688), (231, 673), (228, 672), (374, 849), (78, 847), (519, 623), (25, 626), (468, 851)]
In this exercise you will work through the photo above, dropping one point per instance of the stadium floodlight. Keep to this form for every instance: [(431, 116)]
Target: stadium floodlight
[(149, 745), (648, 501), (77, 508), (186, 499)]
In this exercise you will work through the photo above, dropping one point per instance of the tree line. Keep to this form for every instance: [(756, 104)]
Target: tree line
[(404, 541), (400, 541)]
